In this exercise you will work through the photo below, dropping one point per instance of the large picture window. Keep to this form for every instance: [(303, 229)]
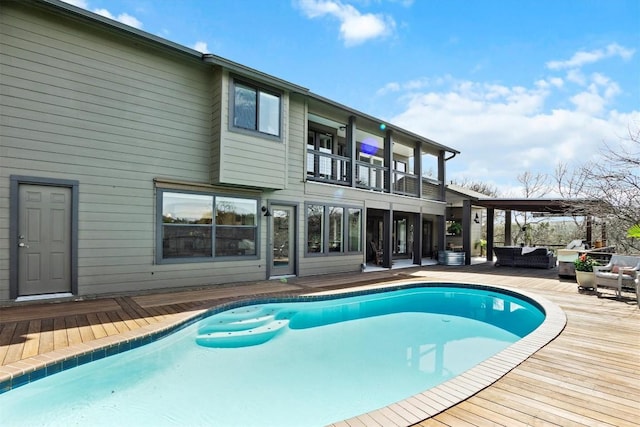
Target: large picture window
[(235, 226), (186, 225), (196, 225), (333, 229), (256, 109)]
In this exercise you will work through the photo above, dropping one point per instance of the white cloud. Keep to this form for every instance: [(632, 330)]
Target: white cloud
[(355, 27), (503, 130), (388, 88), (405, 3), (124, 18), (78, 3), (201, 46), (589, 57)]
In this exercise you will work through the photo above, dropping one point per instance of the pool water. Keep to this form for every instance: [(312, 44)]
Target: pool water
[(331, 360)]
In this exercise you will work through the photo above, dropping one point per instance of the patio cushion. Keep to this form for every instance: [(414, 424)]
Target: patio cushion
[(607, 275)]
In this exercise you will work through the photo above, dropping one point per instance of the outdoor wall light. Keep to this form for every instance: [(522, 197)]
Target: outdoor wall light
[(266, 211), (476, 219)]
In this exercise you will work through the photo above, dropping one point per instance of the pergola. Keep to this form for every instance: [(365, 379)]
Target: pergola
[(549, 206)]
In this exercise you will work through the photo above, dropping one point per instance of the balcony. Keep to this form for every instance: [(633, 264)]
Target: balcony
[(370, 176), (326, 167), (405, 183)]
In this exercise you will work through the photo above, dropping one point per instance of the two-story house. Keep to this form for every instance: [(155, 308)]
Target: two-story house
[(129, 163)]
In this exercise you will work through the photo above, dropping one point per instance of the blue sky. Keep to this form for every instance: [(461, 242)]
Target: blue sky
[(515, 85)]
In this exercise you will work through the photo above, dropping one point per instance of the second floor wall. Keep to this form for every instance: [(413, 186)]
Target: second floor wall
[(96, 100)]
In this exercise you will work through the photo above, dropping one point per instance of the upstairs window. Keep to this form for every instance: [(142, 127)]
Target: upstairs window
[(256, 109)]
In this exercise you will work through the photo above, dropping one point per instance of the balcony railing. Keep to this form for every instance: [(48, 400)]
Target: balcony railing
[(328, 167), (430, 189), (405, 183), (370, 176), (331, 168)]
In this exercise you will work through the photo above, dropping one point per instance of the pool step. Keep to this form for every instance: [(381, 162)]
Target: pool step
[(233, 324), (242, 338), (249, 312)]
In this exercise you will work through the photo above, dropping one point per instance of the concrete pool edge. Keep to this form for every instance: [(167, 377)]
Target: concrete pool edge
[(406, 412)]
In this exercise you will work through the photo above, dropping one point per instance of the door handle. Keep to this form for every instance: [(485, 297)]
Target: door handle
[(22, 245)]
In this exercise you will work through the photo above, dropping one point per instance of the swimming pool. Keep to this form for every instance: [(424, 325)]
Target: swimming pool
[(277, 378)]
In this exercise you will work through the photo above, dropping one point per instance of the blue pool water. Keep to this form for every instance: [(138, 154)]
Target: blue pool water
[(283, 364)]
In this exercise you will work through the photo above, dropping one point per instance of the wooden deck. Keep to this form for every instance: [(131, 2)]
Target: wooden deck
[(589, 375)]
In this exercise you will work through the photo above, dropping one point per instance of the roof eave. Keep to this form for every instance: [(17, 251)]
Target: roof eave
[(76, 12), (253, 73)]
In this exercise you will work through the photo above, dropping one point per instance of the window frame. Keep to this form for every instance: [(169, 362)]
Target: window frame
[(259, 89), (159, 232), (325, 224)]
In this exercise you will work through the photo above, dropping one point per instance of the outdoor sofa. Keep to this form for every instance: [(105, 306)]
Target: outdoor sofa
[(524, 256)]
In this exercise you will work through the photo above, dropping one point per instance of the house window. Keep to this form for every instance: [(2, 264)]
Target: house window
[(336, 215), (256, 109), (235, 226), (327, 227), (400, 166), (315, 226), (191, 230), (355, 230), (317, 164), (186, 225)]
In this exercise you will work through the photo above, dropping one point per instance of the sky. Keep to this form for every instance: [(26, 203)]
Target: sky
[(514, 85)]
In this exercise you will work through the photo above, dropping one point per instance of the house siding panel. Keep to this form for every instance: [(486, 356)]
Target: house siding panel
[(83, 104), (249, 159), (124, 115)]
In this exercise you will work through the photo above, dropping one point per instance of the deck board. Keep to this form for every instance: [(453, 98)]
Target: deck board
[(32, 339), (589, 375), (60, 339), (16, 345), (73, 331), (46, 336)]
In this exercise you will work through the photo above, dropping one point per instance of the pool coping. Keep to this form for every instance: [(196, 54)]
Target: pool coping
[(429, 403), (402, 413)]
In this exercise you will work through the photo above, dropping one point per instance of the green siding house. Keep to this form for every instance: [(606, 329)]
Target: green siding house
[(131, 163)]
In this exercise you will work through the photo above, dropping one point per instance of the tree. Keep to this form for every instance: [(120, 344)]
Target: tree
[(533, 186), (478, 187), (616, 181)]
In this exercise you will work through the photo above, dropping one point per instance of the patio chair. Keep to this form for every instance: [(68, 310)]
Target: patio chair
[(620, 271), (376, 253)]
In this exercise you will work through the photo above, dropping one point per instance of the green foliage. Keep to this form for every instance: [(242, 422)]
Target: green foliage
[(634, 232), (481, 243), (454, 228)]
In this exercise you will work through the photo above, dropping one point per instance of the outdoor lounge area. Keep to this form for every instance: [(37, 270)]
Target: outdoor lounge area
[(524, 256), (579, 378)]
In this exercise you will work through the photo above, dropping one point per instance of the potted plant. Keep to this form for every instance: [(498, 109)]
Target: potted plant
[(584, 271), (482, 243), (455, 228)]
